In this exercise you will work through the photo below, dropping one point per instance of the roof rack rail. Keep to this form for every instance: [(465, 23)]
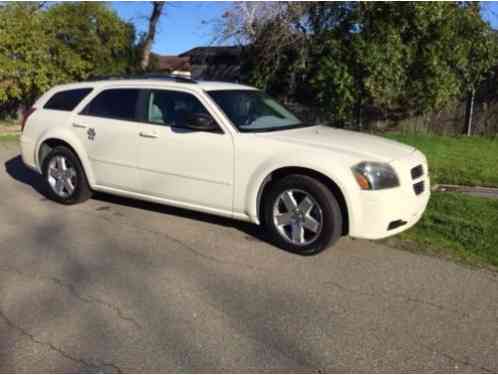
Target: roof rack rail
[(175, 77), (169, 77)]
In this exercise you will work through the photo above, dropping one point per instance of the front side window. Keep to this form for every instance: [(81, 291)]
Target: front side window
[(172, 108), (254, 111), (67, 100), (118, 104)]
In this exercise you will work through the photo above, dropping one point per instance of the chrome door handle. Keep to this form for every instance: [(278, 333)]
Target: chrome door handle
[(78, 126), (147, 135)]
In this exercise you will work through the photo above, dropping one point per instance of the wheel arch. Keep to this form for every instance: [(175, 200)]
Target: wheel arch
[(282, 172), (50, 142)]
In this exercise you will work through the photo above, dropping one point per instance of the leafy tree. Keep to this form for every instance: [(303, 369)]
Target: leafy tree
[(404, 59), (40, 47), (25, 61), (424, 56), (478, 54), (391, 59), (335, 82), (89, 38)]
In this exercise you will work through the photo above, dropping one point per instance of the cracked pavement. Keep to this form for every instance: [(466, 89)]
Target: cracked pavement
[(117, 285)]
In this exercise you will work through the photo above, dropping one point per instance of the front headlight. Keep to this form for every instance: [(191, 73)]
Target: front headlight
[(375, 176)]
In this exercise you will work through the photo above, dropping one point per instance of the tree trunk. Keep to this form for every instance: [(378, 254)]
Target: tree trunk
[(470, 112), (157, 7)]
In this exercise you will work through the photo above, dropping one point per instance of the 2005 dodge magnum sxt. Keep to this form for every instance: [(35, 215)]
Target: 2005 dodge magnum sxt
[(224, 149)]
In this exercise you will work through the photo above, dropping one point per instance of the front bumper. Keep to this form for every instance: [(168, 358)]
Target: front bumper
[(383, 213)]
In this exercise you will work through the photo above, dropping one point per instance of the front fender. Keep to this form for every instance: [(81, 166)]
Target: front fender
[(262, 173), (68, 137)]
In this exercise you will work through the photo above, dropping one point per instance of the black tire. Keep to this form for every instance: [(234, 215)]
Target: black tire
[(332, 220), (82, 191)]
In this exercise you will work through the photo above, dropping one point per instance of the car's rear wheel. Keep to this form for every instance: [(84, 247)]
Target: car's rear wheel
[(302, 215), (65, 177)]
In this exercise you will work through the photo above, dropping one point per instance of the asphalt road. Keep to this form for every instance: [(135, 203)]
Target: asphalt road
[(118, 285)]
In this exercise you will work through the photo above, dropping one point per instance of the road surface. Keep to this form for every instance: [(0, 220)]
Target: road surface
[(116, 285)]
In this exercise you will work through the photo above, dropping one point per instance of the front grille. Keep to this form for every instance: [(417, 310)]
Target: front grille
[(418, 188), (417, 172)]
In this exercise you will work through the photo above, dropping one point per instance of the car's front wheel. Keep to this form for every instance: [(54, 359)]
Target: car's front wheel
[(302, 215), (64, 175)]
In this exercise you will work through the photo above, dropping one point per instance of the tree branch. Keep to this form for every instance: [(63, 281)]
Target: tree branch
[(157, 11)]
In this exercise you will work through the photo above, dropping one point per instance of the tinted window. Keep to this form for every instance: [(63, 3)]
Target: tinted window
[(115, 103), (67, 100), (171, 107)]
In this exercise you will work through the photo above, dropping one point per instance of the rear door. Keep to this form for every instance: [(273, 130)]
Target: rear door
[(109, 129)]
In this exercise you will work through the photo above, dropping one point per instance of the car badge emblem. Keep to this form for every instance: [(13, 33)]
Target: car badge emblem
[(91, 134)]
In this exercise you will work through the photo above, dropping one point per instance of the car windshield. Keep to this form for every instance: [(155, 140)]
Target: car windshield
[(254, 111)]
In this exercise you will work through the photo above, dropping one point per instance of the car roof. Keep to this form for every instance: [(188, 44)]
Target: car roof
[(169, 83)]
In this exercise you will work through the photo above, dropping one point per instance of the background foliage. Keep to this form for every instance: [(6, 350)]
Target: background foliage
[(352, 63), (42, 46), (389, 60)]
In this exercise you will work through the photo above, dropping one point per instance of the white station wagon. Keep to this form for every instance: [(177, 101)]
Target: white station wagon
[(224, 149)]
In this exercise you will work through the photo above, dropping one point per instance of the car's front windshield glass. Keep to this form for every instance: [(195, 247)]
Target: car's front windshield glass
[(254, 111)]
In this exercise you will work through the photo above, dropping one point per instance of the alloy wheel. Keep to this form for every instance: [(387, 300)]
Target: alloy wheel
[(298, 217), (61, 176)]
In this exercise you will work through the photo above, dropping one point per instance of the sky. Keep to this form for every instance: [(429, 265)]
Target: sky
[(490, 13), (186, 25), (182, 27)]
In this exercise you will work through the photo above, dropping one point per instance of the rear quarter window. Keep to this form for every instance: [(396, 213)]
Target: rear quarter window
[(67, 100)]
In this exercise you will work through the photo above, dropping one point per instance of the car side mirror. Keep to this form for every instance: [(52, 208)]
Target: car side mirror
[(201, 122)]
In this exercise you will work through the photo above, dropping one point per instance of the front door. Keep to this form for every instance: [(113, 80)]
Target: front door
[(178, 164), (109, 129)]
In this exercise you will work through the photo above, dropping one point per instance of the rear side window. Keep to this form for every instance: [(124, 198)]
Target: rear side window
[(67, 100), (114, 103)]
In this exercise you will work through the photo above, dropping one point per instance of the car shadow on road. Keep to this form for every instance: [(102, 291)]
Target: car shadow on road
[(16, 169), (255, 231)]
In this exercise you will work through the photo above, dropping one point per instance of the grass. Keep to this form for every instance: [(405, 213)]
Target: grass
[(461, 160), (457, 226), (8, 130), (9, 137)]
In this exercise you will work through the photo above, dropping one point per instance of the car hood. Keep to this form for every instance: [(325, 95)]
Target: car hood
[(359, 145)]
